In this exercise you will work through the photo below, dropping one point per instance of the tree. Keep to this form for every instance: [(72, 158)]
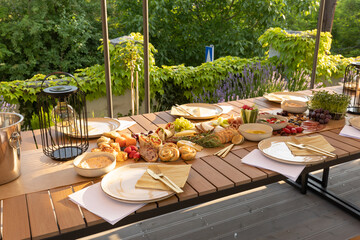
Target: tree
[(346, 29), (180, 29), (42, 36)]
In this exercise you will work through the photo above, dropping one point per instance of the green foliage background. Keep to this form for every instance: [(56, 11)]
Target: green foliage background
[(43, 36), (180, 29)]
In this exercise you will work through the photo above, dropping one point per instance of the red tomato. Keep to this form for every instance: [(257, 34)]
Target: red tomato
[(128, 150), (137, 155)]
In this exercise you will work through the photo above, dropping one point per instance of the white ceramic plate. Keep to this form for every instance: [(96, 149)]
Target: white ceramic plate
[(98, 126), (199, 110), (276, 149), (119, 184), (355, 122), (278, 97)]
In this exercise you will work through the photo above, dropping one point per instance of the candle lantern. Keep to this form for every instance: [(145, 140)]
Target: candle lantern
[(63, 120), (352, 86)]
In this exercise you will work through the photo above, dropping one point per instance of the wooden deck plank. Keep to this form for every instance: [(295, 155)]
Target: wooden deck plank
[(227, 170), (147, 207), (253, 172), (144, 122), (68, 214), (15, 211), (136, 128), (165, 116), (41, 215), (155, 119), (188, 193), (91, 219), (211, 174), (168, 201), (199, 183)]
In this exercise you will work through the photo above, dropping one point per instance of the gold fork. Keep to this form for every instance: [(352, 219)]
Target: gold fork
[(157, 171)]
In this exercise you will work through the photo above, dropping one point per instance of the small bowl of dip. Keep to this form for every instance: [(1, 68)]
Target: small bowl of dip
[(255, 131), (294, 106), (94, 164)]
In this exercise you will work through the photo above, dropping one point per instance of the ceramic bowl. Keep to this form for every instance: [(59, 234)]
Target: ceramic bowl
[(96, 171), (294, 106), (279, 124), (246, 129)]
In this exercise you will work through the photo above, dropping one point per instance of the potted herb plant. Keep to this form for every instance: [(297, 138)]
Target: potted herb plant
[(335, 103)]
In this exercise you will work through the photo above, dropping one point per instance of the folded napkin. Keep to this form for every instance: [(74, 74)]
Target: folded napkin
[(316, 141), (349, 131), (226, 108), (179, 112), (257, 159), (177, 173), (96, 201), (124, 124)]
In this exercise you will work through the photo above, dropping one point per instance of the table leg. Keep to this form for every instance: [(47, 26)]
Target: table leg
[(301, 183), (325, 177), (317, 187)]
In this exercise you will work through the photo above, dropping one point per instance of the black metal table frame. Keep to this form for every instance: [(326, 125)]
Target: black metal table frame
[(319, 185)]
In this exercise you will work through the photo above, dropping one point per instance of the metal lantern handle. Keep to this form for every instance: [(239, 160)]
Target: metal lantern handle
[(56, 73)]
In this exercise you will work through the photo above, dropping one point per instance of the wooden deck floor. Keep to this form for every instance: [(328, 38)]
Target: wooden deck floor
[(277, 211)]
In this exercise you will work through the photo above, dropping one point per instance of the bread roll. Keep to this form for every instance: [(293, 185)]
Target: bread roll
[(187, 152)]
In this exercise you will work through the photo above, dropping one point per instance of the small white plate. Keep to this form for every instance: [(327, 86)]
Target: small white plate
[(98, 126), (276, 149), (355, 122), (199, 110), (278, 97), (119, 184)]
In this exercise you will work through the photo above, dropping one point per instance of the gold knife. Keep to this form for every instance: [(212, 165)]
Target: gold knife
[(157, 177)]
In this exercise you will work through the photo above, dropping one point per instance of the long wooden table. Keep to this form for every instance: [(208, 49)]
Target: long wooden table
[(50, 214)]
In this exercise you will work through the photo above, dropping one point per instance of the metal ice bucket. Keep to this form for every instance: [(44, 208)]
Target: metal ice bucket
[(10, 140)]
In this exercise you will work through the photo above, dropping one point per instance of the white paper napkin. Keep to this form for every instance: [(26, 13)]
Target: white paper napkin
[(349, 131), (95, 200), (226, 108), (257, 159), (124, 124)]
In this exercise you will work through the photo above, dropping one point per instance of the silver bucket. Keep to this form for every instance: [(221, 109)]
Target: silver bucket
[(10, 140)]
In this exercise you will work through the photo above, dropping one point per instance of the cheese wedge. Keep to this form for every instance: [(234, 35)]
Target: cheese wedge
[(185, 133)]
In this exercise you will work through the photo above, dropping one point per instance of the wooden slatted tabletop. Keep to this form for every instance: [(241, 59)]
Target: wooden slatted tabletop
[(50, 213)]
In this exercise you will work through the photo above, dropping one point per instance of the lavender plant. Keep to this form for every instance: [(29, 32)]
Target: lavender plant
[(255, 80), (6, 107)]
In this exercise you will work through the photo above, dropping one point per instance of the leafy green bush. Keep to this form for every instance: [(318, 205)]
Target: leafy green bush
[(297, 53)]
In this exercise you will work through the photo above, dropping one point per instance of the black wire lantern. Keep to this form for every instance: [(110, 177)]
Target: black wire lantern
[(63, 120), (352, 86)]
